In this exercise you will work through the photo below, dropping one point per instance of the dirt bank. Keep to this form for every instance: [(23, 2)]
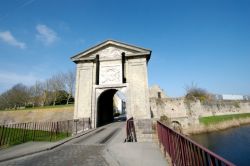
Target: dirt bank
[(41, 115)]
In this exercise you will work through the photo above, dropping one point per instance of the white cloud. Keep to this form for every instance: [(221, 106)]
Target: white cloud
[(46, 34), (8, 38), (8, 79)]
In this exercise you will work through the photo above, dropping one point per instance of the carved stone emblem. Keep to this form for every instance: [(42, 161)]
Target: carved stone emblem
[(110, 75)]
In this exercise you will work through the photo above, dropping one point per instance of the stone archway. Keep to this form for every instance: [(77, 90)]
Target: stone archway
[(111, 65), (176, 125), (103, 99)]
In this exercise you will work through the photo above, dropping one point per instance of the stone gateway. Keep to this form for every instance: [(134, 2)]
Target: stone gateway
[(105, 69)]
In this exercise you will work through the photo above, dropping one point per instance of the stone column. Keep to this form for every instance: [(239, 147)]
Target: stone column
[(138, 96), (138, 88), (84, 86)]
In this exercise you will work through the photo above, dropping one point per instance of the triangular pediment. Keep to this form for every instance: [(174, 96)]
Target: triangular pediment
[(110, 49)]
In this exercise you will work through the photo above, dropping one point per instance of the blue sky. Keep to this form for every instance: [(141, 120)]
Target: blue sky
[(205, 41)]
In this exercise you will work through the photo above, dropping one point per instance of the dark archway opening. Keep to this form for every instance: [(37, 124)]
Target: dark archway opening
[(107, 109)]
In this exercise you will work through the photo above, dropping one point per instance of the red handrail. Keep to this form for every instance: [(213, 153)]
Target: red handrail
[(184, 151), (130, 131)]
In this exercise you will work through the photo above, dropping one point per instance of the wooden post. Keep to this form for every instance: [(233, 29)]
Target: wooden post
[(57, 128), (67, 128), (2, 135), (51, 131), (34, 132), (24, 132), (7, 134), (83, 125)]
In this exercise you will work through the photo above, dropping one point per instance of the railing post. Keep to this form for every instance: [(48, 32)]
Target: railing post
[(34, 131), (2, 135), (23, 132), (13, 133), (67, 128), (76, 123), (90, 124), (51, 131), (83, 125), (57, 128), (130, 131), (133, 128), (10, 133), (6, 135)]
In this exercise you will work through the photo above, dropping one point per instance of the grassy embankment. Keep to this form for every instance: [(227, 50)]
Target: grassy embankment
[(217, 123), (14, 136), (222, 118)]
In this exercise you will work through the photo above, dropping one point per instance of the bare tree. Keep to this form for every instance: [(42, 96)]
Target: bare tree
[(69, 81), (41, 93), (4, 101), (15, 97), (56, 83), (36, 94), (45, 91)]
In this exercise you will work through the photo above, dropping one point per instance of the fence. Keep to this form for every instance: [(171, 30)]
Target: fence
[(130, 130), (11, 134), (184, 151)]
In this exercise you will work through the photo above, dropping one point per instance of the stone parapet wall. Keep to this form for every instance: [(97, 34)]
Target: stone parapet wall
[(188, 113), (145, 130)]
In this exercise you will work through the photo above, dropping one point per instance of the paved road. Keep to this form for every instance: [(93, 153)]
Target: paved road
[(85, 150)]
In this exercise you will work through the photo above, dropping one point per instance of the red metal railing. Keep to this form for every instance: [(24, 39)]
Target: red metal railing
[(185, 152), (11, 134), (130, 130)]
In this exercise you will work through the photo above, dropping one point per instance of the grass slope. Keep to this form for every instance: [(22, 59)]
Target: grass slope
[(221, 118), (14, 136)]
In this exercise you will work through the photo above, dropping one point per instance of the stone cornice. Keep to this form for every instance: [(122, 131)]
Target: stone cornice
[(137, 51), (127, 56)]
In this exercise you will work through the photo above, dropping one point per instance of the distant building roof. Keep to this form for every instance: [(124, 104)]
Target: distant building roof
[(232, 97), (156, 92)]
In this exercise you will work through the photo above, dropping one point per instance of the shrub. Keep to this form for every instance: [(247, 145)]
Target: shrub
[(236, 104), (195, 93), (165, 120)]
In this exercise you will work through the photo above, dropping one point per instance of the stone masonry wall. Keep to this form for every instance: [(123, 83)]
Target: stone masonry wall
[(188, 113)]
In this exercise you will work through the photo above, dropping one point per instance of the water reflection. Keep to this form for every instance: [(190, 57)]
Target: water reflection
[(233, 144)]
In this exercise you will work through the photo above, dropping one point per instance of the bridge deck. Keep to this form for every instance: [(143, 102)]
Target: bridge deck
[(103, 146)]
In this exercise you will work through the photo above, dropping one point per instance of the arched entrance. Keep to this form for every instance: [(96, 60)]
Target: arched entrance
[(110, 107)]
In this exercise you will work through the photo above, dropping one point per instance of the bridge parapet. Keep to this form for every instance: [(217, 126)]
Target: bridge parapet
[(130, 131), (184, 151), (145, 130)]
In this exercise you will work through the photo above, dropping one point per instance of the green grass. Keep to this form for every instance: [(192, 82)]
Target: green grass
[(40, 108), (14, 136), (221, 118)]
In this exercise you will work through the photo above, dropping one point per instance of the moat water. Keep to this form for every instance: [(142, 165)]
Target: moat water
[(232, 144)]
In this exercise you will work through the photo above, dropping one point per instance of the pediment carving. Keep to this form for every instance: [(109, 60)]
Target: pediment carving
[(110, 53), (110, 49)]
